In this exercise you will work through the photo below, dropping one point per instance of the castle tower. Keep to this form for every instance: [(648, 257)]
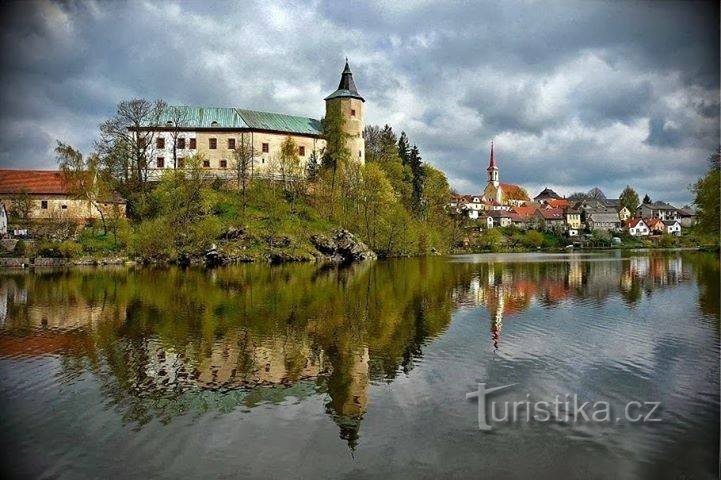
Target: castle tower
[(352, 109)]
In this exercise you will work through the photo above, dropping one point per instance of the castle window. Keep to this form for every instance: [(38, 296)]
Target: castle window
[(160, 142), (266, 148), (224, 164), (360, 154), (160, 162), (44, 204), (192, 144), (206, 163), (181, 143), (212, 143), (231, 144), (352, 112), (64, 207), (301, 151)]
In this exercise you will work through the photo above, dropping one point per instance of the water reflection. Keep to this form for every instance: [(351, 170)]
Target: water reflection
[(165, 342)]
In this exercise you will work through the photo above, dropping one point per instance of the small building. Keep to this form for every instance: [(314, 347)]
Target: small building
[(605, 221), (573, 218), (501, 218), (687, 217), (655, 225), (637, 228), (673, 227), (624, 214), (550, 218), (45, 195)]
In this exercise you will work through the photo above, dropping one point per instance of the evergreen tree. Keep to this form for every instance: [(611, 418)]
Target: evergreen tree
[(312, 167), (416, 164), (404, 149), (629, 199), (388, 147), (646, 199)]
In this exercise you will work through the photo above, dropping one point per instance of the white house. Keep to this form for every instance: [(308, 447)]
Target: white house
[(637, 227), (674, 228)]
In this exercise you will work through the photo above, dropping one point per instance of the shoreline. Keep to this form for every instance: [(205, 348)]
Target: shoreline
[(25, 263)]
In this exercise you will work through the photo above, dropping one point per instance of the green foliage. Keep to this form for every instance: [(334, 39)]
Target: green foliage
[(21, 248), (64, 249), (708, 198), (533, 239), (629, 199)]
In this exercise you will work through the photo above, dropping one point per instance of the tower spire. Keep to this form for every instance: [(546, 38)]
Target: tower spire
[(492, 163), (346, 87)]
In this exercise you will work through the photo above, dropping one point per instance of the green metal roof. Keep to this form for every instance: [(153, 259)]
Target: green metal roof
[(228, 117), (206, 117), (280, 122)]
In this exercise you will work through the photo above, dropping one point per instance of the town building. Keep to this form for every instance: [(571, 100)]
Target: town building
[(655, 225), (637, 227), (661, 210), (46, 195), (604, 221), (215, 133), (673, 227), (687, 217), (624, 214)]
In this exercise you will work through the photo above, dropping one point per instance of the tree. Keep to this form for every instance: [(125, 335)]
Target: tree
[(83, 178), (177, 122), (708, 196), (127, 144), (289, 167), (311, 169), (578, 196), (416, 164), (243, 155), (646, 199), (596, 193), (629, 199), (336, 154), (404, 149)]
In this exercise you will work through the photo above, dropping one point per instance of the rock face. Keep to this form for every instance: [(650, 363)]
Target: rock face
[(342, 247)]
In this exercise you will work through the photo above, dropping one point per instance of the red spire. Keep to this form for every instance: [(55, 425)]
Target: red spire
[(492, 164)]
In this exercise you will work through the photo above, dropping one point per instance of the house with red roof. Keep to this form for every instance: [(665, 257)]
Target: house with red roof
[(47, 195), (655, 225), (637, 227)]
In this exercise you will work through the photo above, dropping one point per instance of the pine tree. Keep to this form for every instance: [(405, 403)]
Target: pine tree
[(312, 167), (646, 199), (416, 164), (404, 150)]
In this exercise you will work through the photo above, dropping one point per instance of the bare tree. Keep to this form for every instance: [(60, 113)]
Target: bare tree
[(82, 176), (127, 140), (177, 122), (243, 155)]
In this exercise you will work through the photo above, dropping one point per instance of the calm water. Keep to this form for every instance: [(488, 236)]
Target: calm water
[(361, 372)]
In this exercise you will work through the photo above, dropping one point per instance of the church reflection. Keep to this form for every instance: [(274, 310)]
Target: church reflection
[(164, 342)]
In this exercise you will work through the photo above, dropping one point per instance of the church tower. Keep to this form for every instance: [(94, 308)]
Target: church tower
[(352, 109), (493, 187)]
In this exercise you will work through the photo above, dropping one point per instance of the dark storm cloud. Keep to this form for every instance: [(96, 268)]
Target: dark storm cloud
[(575, 95)]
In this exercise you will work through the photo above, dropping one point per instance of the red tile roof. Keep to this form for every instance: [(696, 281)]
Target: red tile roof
[(653, 223), (32, 182), (513, 192), (551, 213), (524, 212), (632, 222), (557, 203)]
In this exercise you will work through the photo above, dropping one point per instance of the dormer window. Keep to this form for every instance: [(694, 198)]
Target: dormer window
[(169, 123), (213, 123)]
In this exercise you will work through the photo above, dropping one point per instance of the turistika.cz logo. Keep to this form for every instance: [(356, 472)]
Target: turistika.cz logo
[(566, 408)]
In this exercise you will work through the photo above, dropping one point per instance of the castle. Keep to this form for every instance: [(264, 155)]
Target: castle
[(214, 133)]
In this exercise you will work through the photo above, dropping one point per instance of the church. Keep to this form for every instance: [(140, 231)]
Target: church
[(502, 193), (214, 133), (496, 195)]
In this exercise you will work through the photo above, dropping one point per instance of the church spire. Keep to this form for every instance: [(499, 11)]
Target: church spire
[(492, 163)]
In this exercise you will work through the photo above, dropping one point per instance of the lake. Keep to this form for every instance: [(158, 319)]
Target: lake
[(364, 371)]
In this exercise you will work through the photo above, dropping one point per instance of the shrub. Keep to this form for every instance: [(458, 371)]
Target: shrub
[(154, 239)]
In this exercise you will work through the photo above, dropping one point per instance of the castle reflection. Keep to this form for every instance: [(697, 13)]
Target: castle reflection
[(162, 342)]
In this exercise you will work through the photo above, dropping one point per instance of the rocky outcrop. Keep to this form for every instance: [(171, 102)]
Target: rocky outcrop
[(342, 247)]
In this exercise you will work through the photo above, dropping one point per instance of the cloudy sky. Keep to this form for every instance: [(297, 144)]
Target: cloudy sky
[(575, 95)]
